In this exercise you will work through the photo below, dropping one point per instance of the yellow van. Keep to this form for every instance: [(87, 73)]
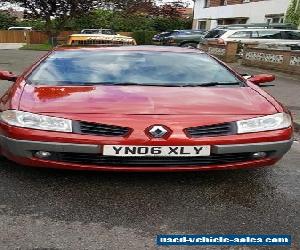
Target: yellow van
[(100, 40)]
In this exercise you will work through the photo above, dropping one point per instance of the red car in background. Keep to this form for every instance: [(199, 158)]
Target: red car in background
[(140, 108)]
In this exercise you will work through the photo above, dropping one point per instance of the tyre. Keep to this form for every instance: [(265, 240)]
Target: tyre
[(186, 45)]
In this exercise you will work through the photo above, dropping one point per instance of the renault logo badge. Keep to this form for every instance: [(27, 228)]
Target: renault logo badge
[(158, 131)]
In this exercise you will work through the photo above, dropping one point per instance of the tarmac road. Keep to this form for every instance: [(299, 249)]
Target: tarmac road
[(51, 209)]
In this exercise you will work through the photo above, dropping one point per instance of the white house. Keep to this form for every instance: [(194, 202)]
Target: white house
[(210, 13)]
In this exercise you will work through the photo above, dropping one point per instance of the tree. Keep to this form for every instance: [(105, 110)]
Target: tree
[(147, 7), (6, 20), (293, 13), (132, 6), (60, 10)]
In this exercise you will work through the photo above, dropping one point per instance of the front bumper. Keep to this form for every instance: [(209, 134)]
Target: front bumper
[(21, 151)]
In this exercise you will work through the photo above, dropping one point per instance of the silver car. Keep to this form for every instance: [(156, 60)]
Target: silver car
[(261, 36)]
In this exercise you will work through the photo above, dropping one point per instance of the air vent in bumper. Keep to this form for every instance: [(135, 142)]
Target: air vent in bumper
[(88, 128), (100, 160), (212, 130)]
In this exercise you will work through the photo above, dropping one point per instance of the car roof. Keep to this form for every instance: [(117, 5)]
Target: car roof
[(133, 48), (96, 35), (256, 29), (97, 29), (20, 27)]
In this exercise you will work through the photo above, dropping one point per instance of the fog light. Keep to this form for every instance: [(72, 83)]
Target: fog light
[(42, 154), (259, 155)]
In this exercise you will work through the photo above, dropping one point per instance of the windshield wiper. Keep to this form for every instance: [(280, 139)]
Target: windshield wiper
[(210, 84), (131, 84)]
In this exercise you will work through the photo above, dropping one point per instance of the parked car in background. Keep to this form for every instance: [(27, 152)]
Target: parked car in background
[(284, 26), (258, 35), (182, 38), (98, 31), (20, 28), (100, 40)]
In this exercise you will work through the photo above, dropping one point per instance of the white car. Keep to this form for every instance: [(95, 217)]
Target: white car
[(261, 36), (20, 28)]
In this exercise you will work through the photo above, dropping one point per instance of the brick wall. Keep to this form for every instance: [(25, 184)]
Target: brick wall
[(215, 3), (225, 53), (281, 60)]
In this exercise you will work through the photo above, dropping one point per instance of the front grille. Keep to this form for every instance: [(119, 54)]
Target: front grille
[(100, 160), (212, 130), (88, 128)]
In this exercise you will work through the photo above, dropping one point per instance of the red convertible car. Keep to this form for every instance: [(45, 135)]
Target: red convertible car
[(140, 108)]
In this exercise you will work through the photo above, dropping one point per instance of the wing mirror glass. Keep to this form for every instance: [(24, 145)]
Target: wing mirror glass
[(8, 76)]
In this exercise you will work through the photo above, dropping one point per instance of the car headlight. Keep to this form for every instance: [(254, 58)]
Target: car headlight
[(35, 121), (264, 123)]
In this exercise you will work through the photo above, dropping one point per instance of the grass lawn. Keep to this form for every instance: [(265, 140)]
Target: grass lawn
[(39, 47)]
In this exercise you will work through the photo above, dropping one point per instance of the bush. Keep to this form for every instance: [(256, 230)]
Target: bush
[(143, 37), (120, 21), (35, 24)]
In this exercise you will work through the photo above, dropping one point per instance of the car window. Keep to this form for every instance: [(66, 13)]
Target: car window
[(241, 34), (90, 32), (116, 67), (163, 34), (291, 35), (254, 34), (198, 32), (269, 34), (185, 32), (108, 32), (175, 33), (215, 33)]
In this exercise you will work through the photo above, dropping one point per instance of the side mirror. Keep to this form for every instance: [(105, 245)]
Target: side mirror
[(262, 78), (9, 76)]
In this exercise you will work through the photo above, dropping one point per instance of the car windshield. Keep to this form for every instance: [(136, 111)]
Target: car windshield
[(216, 33), (89, 31), (96, 67), (108, 32)]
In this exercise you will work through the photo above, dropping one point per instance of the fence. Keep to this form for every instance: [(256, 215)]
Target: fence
[(32, 37), (14, 36), (38, 37)]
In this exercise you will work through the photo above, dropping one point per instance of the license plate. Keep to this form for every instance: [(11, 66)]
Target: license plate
[(158, 151)]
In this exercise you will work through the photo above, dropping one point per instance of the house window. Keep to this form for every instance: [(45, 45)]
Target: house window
[(220, 21), (202, 25), (275, 19), (223, 2), (206, 3)]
